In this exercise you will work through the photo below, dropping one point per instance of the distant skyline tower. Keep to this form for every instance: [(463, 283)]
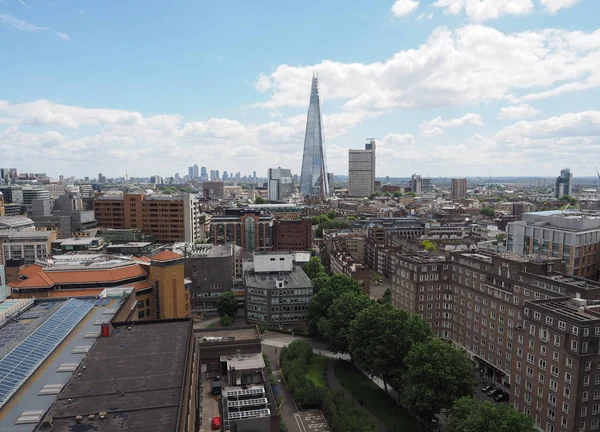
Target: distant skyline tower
[(314, 181)]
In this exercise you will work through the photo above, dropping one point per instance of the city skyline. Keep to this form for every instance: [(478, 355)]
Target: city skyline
[(418, 83)]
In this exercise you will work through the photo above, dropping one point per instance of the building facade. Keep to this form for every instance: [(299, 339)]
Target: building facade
[(280, 184), (523, 322), (29, 245), (249, 229), (167, 218), (571, 236), (213, 190), (458, 188), (564, 184), (416, 184), (361, 171), (314, 181), (292, 235)]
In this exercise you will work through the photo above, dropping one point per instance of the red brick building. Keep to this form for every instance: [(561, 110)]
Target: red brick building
[(292, 235)]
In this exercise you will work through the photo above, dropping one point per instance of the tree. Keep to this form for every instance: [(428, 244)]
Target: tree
[(226, 321), (227, 304), (488, 211), (397, 194), (429, 246), (387, 297), (411, 194), (320, 302), (314, 267), (437, 374), (260, 200), (341, 313), (471, 415), (320, 281), (331, 214), (381, 336)]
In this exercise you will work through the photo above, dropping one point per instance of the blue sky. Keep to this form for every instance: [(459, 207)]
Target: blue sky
[(447, 87)]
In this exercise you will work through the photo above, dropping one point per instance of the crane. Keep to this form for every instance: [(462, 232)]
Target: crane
[(598, 173)]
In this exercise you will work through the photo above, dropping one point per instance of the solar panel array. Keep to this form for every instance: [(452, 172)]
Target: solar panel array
[(99, 302), (245, 392), (248, 414), (247, 402), (18, 365), (14, 330)]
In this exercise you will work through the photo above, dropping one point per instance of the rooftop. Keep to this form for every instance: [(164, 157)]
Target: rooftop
[(294, 279), (31, 235), (225, 334), (166, 256), (244, 361), (586, 312), (135, 376)]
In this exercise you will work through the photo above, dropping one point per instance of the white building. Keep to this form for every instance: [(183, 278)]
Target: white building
[(281, 184), (361, 171)]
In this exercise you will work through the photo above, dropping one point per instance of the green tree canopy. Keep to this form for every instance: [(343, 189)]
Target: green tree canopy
[(320, 281), (331, 214), (227, 304), (437, 374), (471, 415), (397, 194), (260, 200), (429, 245), (314, 267), (381, 336), (226, 321), (320, 302), (387, 297), (488, 211), (343, 310)]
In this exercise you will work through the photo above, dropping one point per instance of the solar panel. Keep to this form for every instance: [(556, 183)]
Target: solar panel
[(18, 365), (252, 413)]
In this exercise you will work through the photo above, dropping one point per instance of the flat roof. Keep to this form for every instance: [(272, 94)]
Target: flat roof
[(293, 279), (241, 333), (244, 361), (28, 397), (135, 375)]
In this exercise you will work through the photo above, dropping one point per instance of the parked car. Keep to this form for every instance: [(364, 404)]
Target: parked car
[(216, 422), (487, 388), (494, 392), (503, 396)]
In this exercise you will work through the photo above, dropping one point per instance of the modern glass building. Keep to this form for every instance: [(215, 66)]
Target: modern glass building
[(313, 177)]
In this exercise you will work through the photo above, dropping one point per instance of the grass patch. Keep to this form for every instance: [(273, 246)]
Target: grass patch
[(383, 406), (316, 370)]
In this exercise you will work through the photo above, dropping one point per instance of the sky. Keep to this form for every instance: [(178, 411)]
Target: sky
[(446, 87)]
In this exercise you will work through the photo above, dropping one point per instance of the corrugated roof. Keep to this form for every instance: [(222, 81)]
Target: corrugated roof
[(31, 270), (90, 292)]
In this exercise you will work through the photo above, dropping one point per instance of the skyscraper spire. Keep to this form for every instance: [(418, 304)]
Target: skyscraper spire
[(313, 177)]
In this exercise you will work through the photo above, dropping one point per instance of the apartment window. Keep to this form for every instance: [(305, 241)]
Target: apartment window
[(557, 340), (594, 424), (562, 325), (551, 414), (584, 396), (553, 385), (583, 411), (563, 422), (542, 364), (555, 356), (575, 331), (567, 392), (567, 377), (552, 400), (565, 407), (569, 362)]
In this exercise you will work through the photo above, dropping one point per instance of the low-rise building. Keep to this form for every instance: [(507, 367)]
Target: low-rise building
[(29, 245), (277, 291), (292, 235), (247, 228)]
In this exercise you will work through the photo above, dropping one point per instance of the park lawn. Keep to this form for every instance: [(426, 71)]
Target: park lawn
[(383, 406), (316, 370)]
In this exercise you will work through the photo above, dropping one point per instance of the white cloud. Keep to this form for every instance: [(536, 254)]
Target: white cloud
[(435, 126), (402, 8), (16, 24), (553, 6), (522, 111), (581, 124), (482, 10), (420, 17), (452, 68)]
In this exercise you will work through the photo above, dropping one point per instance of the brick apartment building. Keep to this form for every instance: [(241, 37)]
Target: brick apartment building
[(533, 328), (168, 218)]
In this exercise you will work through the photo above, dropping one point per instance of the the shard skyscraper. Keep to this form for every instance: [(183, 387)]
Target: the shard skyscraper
[(313, 177)]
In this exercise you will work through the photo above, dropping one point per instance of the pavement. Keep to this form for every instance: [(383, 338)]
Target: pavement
[(288, 407)]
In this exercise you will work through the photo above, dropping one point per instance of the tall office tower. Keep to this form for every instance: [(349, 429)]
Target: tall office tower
[(458, 188), (225, 176), (203, 174), (564, 183), (195, 173), (213, 175), (191, 172), (361, 170), (313, 177), (217, 175), (416, 184), (280, 185)]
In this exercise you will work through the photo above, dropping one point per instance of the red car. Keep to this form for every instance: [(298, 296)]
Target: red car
[(216, 422)]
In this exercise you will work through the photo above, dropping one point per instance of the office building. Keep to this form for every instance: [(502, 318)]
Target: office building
[(191, 172), (213, 190), (361, 171), (458, 188), (2, 211), (564, 183), (203, 174), (167, 218), (277, 291), (314, 181), (29, 245), (525, 324), (292, 234), (247, 228), (280, 184), (4, 290), (31, 193), (571, 236), (195, 171), (13, 194), (416, 184)]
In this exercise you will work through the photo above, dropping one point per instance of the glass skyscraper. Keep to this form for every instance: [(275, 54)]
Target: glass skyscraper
[(313, 177)]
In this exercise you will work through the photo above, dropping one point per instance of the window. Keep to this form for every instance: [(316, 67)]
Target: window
[(565, 408), (552, 400), (542, 364)]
